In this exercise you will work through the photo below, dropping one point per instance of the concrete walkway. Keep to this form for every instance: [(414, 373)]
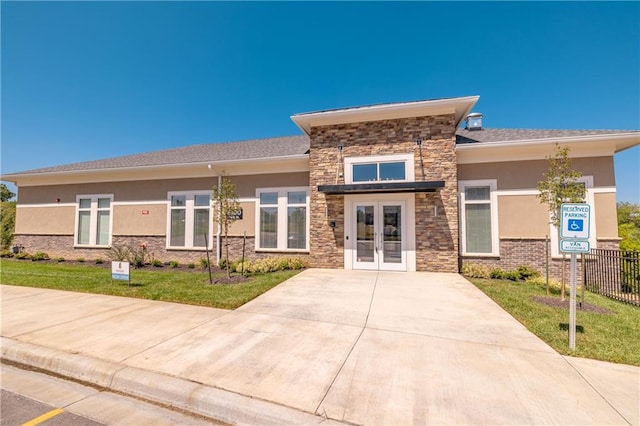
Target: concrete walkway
[(345, 346)]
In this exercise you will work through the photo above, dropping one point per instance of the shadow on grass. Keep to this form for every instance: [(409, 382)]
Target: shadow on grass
[(565, 327)]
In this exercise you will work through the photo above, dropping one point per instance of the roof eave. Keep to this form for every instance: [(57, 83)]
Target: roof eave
[(459, 106)]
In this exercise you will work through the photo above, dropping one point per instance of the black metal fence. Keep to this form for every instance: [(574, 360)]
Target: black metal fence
[(613, 273)]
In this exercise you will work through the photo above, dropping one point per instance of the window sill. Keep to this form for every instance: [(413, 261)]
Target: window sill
[(477, 255), (77, 246), (187, 249)]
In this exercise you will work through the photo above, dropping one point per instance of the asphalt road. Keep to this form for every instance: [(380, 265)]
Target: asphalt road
[(27, 395), (18, 410)]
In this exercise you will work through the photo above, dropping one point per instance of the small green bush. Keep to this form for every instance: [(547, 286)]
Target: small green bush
[(204, 263), (222, 263), (497, 274), (23, 255), (173, 264), (60, 259), (6, 253), (157, 263), (99, 261), (191, 265), (511, 275), (80, 259), (40, 256), (527, 272)]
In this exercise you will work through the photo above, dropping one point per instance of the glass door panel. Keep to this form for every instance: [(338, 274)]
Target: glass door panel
[(392, 234), (365, 237)]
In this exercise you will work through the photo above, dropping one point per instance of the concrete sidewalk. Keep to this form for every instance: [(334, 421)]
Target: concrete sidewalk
[(325, 346)]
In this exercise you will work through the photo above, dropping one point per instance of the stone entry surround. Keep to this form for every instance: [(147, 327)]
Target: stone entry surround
[(436, 213)]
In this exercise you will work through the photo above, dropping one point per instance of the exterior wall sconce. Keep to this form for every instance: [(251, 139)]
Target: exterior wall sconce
[(419, 141)]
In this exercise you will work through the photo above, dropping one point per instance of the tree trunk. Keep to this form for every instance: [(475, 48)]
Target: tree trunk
[(226, 250)]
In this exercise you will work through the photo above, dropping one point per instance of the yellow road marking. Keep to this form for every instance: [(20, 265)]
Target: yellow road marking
[(45, 416)]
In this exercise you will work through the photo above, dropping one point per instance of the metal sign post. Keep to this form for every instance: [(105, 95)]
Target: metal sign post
[(574, 234)]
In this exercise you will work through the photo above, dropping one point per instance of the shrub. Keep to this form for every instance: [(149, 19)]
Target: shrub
[(80, 259), (191, 265), (497, 274), (173, 264), (542, 281), (99, 261), (157, 263), (23, 255), (222, 263), (6, 253), (473, 270), (511, 275), (527, 272), (40, 256), (60, 259), (204, 263)]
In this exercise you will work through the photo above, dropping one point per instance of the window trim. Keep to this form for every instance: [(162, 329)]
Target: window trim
[(282, 206), (189, 208), (93, 217), (408, 159), (493, 205)]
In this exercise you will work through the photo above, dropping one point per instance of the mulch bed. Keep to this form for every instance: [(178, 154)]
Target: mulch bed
[(584, 307)]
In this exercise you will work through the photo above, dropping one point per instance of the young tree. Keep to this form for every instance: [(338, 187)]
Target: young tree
[(560, 186), (5, 193), (225, 209)]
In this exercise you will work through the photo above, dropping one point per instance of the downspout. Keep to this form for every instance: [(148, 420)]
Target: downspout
[(219, 233)]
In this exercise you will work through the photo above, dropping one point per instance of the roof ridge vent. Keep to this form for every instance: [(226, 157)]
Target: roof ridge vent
[(474, 121)]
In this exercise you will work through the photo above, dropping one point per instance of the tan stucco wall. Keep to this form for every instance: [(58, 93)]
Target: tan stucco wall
[(155, 190), (522, 216), (248, 222), (49, 220), (606, 215), (131, 220), (527, 174)]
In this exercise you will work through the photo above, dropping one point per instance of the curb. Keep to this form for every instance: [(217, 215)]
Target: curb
[(192, 397)]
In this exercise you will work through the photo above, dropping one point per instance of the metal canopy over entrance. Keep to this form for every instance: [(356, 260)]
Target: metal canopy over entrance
[(382, 187)]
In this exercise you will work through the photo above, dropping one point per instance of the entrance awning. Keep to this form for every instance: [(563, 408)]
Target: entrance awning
[(382, 187)]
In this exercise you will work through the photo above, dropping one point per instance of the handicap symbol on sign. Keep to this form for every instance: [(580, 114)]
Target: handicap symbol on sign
[(576, 225)]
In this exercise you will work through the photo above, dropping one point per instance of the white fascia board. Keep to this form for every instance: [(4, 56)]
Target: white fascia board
[(284, 164), (538, 149), (458, 106)]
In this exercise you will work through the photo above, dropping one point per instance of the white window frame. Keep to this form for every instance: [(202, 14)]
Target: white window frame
[(93, 218), (189, 219), (408, 159), (282, 207), (589, 199), (493, 202)]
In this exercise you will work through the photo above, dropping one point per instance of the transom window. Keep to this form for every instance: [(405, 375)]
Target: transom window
[(384, 168), (282, 219), (189, 217), (94, 220)]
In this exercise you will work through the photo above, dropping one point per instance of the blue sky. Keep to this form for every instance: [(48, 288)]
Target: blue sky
[(91, 80)]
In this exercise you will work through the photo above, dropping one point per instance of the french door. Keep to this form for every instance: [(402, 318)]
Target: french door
[(380, 235)]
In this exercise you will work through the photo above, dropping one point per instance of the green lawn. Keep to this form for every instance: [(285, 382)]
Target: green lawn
[(613, 337), (147, 283)]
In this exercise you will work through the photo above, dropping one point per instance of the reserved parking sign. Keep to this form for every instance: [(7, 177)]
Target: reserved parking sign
[(574, 221)]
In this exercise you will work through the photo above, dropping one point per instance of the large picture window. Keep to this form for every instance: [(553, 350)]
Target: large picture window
[(189, 219), (94, 220), (478, 217), (283, 219)]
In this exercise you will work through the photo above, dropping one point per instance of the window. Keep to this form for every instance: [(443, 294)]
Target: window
[(282, 219), (478, 217), (189, 220), (93, 220), (379, 168)]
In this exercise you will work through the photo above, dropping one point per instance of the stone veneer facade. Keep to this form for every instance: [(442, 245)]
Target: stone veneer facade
[(436, 234)]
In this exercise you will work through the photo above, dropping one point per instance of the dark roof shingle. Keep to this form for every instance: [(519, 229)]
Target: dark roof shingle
[(243, 150), (464, 136)]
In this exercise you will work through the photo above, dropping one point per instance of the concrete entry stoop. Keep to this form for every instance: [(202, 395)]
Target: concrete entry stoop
[(354, 346)]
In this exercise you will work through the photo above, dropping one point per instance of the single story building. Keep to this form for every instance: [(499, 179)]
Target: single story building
[(401, 187)]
